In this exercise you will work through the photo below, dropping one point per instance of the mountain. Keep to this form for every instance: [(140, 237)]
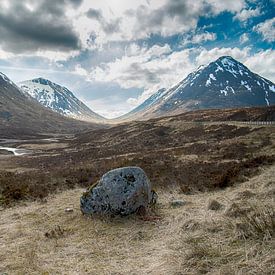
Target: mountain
[(58, 99), (23, 116), (224, 83)]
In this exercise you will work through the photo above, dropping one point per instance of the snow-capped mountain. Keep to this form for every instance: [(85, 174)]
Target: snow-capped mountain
[(22, 116), (224, 83), (58, 99)]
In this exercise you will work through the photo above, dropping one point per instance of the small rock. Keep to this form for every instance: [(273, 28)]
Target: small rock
[(214, 205), (120, 191), (177, 203), (69, 210)]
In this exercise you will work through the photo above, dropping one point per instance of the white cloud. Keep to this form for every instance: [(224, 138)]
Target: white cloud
[(80, 71), (266, 29), (140, 19), (246, 14), (244, 38), (199, 38), (263, 63), (227, 5), (146, 68), (207, 56)]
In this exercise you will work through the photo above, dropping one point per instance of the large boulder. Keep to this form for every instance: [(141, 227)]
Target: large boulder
[(120, 191)]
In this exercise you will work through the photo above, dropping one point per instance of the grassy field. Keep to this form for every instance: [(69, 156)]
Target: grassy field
[(224, 172), (228, 231)]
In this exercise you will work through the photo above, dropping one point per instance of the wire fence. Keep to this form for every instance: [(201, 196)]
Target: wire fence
[(256, 122), (267, 123)]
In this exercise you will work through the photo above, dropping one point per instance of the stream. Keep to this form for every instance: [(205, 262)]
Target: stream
[(16, 151)]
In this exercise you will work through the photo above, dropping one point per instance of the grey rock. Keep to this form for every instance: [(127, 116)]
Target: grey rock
[(177, 203), (120, 191)]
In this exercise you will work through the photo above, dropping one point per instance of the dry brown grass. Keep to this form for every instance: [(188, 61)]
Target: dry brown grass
[(41, 238)]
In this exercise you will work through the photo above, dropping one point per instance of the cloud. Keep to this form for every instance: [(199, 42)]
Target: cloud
[(177, 16), (199, 38), (107, 27), (206, 56), (263, 63), (244, 38), (27, 26), (137, 20), (246, 14), (266, 29), (145, 68)]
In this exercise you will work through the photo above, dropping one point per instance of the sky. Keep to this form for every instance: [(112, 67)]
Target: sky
[(113, 54)]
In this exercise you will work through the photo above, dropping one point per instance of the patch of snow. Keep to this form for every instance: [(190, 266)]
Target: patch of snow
[(266, 98), (208, 82), (224, 92), (229, 66), (212, 77), (219, 68), (227, 90), (272, 88), (248, 87)]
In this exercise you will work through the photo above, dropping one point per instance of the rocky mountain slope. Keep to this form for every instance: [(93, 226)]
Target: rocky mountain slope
[(58, 99), (23, 116), (224, 83)]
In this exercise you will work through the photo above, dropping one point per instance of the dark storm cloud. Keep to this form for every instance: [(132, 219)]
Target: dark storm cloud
[(46, 27), (174, 9), (107, 27)]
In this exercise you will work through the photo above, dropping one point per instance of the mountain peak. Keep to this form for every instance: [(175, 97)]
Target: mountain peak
[(42, 81), (226, 57)]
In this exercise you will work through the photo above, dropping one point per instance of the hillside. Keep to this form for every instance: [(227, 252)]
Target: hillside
[(21, 116)]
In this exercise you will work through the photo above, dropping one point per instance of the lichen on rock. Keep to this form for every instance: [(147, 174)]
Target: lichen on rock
[(120, 191)]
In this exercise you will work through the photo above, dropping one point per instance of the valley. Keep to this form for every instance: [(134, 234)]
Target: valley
[(199, 154), (229, 162), (213, 168)]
